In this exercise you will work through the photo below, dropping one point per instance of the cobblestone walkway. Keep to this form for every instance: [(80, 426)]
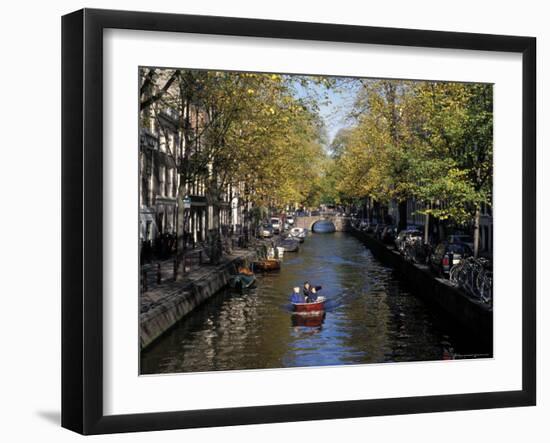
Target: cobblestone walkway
[(157, 292)]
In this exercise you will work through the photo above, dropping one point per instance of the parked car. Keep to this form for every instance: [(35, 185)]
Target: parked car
[(265, 230), (446, 255), (462, 238), (276, 223), (290, 220), (407, 236)]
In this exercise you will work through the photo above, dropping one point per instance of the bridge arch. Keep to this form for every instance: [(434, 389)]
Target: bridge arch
[(323, 226), (307, 222)]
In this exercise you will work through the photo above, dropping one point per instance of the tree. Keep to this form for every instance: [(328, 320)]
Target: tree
[(377, 161), (239, 128), (428, 141), (455, 129)]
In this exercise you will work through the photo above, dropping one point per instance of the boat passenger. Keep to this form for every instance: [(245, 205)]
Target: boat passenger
[(296, 297), (312, 297), (306, 289)]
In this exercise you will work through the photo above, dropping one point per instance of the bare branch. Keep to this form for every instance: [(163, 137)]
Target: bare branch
[(148, 102)]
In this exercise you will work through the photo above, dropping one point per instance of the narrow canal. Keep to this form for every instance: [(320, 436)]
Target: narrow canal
[(371, 317)]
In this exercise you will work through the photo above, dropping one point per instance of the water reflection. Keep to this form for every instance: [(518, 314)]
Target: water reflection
[(308, 321), (370, 317)]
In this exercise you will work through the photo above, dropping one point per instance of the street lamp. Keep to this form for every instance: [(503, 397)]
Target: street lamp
[(186, 208)]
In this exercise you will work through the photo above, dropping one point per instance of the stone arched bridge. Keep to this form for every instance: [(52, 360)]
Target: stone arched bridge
[(307, 222)]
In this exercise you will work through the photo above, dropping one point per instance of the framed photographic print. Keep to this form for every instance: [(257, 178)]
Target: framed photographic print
[(269, 221)]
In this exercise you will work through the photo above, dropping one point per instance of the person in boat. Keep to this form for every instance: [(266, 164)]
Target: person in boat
[(312, 297), (296, 297), (307, 289)]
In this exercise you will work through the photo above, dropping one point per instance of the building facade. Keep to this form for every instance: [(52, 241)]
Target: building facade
[(181, 205), (159, 182)]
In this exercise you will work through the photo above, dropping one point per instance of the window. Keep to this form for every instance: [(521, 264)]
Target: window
[(169, 182), (175, 182), (171, 144), (162, 179)]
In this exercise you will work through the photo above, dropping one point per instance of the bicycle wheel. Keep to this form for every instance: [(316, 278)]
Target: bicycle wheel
[(462, 274), (454, 272), (486, 293)]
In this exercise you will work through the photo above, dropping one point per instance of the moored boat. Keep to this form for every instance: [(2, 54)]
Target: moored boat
[(290, 245), (298, 233), (267, 265), (242, 281), (244, 271)]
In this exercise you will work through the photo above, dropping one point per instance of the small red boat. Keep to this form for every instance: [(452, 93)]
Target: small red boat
[(313, 308)]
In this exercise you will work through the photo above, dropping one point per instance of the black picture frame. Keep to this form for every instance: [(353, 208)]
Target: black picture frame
[(82, 218)]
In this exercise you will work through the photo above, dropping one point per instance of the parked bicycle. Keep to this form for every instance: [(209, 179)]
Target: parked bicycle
[(415, 251), (475, 276)]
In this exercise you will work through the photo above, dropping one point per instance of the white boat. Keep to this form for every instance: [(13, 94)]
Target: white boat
[(277, 252), (298, 233)]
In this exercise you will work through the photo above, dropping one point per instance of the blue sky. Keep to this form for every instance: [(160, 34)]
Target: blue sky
[(334, 105)]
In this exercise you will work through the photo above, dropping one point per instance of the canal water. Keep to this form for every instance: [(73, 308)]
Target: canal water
[(371, 317)]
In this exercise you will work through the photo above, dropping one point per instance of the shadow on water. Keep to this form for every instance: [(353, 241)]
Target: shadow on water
[(369, 317)]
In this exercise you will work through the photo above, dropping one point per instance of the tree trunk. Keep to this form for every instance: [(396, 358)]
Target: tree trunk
[(427, 228), (427, 222), (182, 161), (477, 219), (402, 209), (180, 231), (150, 100), (440, 224), (370, 211)]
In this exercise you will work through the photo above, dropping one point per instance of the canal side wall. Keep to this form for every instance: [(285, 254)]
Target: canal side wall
[(183, 299), (464, 311)]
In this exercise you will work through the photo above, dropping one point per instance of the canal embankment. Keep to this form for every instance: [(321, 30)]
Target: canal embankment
[(372, 316), (162, 307), (464, 311)]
